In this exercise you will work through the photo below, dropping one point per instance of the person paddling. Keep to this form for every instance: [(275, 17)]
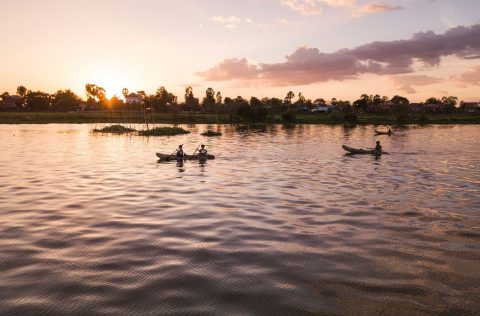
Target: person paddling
[(179, 154), (378, 148), (389, 132), (202, 153)]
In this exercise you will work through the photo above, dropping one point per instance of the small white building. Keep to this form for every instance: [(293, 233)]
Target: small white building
[(320, 106), (133, 98)]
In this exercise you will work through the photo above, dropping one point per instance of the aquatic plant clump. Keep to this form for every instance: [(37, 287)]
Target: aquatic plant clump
[(211, 133), (114, 129), (163, 131)]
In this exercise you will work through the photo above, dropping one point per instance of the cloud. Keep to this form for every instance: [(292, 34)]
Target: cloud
[(308, 65), (288, 22), (230, 22), (304, 7), (407, 83), (231, 69), (468, 78), (377, 7), (314, 7)]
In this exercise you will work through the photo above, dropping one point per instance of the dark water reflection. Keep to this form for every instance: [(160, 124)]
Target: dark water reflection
[(281, 223)]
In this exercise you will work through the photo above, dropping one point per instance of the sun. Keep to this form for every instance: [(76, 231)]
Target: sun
[(112, 79)]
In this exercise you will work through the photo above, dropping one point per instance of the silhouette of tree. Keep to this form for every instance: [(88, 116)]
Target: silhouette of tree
[(125, 92), (288, 99), (191, 103), (432, 100), (65, 101), (397, 99), (209, 100), (22, 91), (37, 101)]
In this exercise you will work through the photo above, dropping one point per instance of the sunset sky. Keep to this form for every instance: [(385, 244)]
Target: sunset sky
[(323, 48)]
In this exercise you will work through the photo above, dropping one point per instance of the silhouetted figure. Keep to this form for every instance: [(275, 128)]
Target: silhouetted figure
[(179, 153), (202, 153), (378, 148)]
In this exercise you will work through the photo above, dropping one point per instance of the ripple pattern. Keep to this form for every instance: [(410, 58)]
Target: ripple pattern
[(281, 223)]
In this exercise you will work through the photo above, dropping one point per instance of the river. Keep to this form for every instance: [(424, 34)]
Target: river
[(282, 222)]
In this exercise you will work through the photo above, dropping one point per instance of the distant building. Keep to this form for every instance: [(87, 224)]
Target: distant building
[(320, 106), (82, 106), (12, 102), (417, 107), (432, 107), (133, 98), (470, 107)]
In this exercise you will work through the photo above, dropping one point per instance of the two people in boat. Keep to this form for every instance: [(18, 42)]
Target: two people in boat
[(202, 153)]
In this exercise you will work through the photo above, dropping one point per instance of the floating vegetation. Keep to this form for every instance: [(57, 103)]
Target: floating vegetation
[(163, 131), (209, 132), (114, 129)]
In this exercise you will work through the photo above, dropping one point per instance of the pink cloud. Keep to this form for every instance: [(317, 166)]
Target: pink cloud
[(406, 83), (309, 65), (468, 78), (230, 69), (377, 7)]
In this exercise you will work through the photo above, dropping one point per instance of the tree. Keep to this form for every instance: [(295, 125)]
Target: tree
[(65, 101), (448, 104), (433, 100), (37, 101), (362, 103), (209, 100), (288, 99), (125, 92), (21, 91), (301, 102), (116, 103), (191, 103), (160, 100), (397, 99)]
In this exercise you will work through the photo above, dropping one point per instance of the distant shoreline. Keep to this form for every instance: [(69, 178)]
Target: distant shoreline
[(202, 118)]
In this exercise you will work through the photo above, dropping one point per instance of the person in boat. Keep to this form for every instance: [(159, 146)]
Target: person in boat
[(179, 153), (378, 148), (389, 131), (202, 153)]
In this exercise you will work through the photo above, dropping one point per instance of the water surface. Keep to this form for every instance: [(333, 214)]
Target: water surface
[(281, 223)]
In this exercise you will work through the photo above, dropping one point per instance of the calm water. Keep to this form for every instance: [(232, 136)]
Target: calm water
[(281, 223)]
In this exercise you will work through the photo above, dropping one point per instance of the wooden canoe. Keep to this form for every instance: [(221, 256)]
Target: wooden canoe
[(383, 133), (167, 157), (360, 151)]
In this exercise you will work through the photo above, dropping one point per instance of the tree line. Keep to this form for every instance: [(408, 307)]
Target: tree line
[(254, 109)]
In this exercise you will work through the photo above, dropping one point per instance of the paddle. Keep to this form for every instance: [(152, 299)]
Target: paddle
[(176, 151), (196, 150)]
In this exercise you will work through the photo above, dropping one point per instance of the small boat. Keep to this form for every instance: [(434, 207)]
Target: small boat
[(167, 157), (383, 133), (362, 151)]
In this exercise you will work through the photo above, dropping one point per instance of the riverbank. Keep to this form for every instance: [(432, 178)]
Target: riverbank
[(201, 118)]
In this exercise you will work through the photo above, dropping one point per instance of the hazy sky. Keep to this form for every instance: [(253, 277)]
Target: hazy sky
[(323, 48)]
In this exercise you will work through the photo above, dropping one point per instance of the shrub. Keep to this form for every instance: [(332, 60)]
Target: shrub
[(114, 129), (289, 116), (163, 131), (211, 133)]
